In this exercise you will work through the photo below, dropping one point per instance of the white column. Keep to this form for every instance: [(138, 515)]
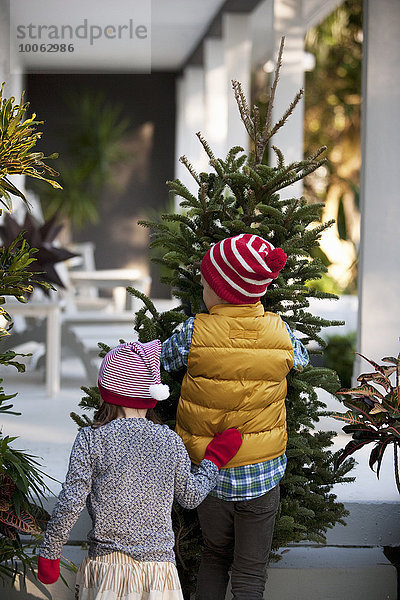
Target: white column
[(4, 42), (379, 266), (190, 119), (288, 22), (53, 350), (216, 97), (180, 127), (14, 80), (237, 49)]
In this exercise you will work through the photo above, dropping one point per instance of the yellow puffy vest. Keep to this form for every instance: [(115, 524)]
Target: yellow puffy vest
[(236, 377)]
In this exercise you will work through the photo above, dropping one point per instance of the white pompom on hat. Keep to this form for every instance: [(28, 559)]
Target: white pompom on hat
[(130, 375)]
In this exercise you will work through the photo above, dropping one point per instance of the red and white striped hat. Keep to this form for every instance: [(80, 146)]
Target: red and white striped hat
[(130, 375), (239, 269)]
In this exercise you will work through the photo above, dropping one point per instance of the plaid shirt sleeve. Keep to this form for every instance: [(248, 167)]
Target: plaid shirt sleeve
[(175, 350), (301, 358)]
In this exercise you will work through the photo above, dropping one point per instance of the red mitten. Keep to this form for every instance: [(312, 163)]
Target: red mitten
[(223, 447), (48, 570)]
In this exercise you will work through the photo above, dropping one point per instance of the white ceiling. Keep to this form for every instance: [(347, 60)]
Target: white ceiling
[(175, 28)]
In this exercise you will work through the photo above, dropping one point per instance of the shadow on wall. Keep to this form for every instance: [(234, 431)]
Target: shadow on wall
[(148, 103)]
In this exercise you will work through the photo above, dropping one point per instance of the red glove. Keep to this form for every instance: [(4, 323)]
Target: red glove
[(48, 570), (223, 447)]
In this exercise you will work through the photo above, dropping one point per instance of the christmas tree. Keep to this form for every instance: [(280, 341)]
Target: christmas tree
[(241, 195)]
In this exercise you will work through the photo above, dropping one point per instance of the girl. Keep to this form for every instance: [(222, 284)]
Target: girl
[(128, 470)]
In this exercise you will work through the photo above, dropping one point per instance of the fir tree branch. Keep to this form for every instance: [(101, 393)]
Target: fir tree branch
[(287, 113), (244, 108), (218, 166), (261, 143), (179, 218), (203, 191), (291, 180), (254, 175), (146, 301), (206, 146), (256, 118), (231, 162), (316, 154), (149, 224), (183, 159), (181, 190), (280, 158)]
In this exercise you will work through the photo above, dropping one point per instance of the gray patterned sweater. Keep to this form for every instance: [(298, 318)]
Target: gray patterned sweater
[(128, 473)]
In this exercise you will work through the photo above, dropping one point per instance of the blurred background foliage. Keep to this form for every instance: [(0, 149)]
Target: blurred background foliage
[(339, 355), (333, 118), (93, 147)]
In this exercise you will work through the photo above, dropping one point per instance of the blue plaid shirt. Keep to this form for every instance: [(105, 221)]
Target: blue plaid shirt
[(247, 481)]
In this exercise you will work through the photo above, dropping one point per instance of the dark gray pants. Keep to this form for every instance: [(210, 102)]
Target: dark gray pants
[(237, 536)]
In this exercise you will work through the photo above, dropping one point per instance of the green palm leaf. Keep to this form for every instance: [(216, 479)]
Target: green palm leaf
[(18, 135)]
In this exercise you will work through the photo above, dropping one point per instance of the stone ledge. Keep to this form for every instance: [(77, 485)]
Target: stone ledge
[(368, 524)]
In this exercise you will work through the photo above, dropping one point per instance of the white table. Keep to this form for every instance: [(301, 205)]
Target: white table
[(57, 314), (117, 280), (51, 312)]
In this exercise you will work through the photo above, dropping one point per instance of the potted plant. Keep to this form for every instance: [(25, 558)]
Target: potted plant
[(373, 415), (22, 487)]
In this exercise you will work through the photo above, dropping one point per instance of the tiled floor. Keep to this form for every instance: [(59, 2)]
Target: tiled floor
[(44, 428)]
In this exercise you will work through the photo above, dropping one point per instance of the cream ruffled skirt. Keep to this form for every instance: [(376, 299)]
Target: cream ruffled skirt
[(117, 576)]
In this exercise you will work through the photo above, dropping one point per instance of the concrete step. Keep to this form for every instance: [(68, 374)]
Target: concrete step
[(332, 573), (303, 573)]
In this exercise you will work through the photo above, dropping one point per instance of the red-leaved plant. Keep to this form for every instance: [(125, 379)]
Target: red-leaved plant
[(374, 414)]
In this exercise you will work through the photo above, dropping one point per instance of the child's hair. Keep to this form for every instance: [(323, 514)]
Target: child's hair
[(108, 412)]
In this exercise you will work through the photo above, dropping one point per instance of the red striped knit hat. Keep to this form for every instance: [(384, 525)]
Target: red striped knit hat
[(130, 375), (239, 269)]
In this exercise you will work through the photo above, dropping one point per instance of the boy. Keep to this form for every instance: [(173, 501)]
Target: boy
[(237, 359)]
